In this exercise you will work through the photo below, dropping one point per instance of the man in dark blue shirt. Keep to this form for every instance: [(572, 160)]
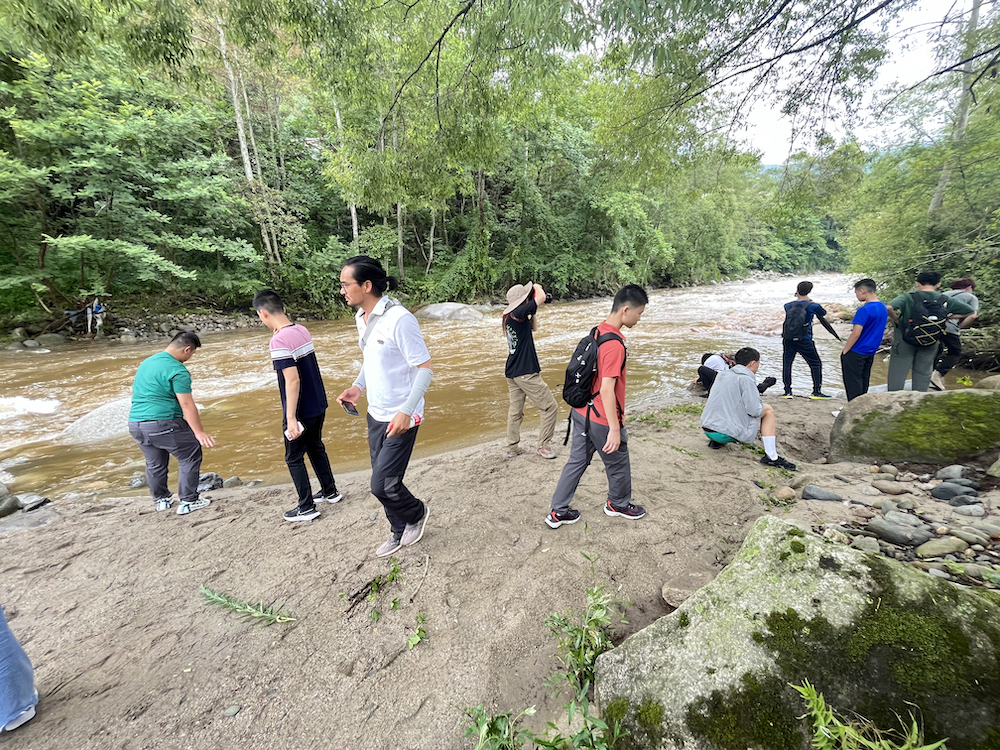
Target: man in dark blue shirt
[(801, 341), (865, 339)]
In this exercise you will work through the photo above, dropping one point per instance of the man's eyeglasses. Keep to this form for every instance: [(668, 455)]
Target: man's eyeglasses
[(345, 284)]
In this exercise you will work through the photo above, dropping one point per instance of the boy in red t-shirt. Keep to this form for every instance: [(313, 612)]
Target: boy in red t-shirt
[(607, 434)]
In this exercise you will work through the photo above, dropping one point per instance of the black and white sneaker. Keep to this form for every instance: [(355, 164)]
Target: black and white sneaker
[(336, 497), (557, 518), (632, 512), (297, 514), (778, 463)]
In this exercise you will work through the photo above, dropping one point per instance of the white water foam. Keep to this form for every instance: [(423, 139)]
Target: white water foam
[(15, 406)]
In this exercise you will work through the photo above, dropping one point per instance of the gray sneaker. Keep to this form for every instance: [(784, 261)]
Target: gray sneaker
[(164, 503), (414, 531), (389, 546), (184, 508)]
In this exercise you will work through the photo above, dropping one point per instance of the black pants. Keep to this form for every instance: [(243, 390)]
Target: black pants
[(857, 370), (390, 457), (707, 377), (951, 345), (309, 443), (807, 349)]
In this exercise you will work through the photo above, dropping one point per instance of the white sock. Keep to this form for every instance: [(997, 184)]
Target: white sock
[(769, 448)]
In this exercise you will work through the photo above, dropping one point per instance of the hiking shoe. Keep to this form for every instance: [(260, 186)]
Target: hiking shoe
[(513, 450), (336, 497), (557, 518), (786, 394), (297, 514), (632, 512), (389, 546), (820, 397), (778, 463), (937, 381), (164, 503), (184, 508), (412, 532), (546, 452), (714, 445)]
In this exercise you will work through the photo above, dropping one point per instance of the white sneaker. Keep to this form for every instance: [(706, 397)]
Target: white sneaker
[(164, 503), (23, 718), (937, 380), (185, 508)]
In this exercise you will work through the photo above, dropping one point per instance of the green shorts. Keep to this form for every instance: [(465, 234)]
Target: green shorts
[(718, 437)]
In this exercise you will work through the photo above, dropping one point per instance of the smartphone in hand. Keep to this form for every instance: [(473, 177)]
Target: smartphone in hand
[(350, 408)]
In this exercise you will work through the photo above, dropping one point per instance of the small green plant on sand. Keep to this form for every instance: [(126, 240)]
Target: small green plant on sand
[(685, 451), (419, 634), (259, 612), (582, 640), (964, 380), (500, 732), (831, 733)]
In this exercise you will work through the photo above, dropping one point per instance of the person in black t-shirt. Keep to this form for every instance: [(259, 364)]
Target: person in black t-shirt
[(523, 373)]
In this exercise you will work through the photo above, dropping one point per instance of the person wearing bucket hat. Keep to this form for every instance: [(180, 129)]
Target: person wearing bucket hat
[(523, 373)]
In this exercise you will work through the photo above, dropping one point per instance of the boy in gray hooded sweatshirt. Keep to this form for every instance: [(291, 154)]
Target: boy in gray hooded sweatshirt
[(734, 412)]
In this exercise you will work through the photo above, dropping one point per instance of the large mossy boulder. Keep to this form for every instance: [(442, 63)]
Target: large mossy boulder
[(991, 382), (935, 427), (877, 637)]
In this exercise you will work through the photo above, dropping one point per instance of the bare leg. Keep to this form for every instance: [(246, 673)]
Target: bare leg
[(768, 424)]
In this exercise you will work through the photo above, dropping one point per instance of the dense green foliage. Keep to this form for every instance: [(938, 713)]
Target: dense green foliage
[(193, 152)]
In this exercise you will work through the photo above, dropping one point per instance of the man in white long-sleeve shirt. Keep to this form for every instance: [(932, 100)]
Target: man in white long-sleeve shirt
[(735, 413), (396, 373)]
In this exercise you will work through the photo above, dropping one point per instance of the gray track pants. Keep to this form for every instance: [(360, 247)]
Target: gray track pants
[(616, 465), (161, 439)]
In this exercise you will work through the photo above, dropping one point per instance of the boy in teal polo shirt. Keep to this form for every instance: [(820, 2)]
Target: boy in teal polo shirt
[(164, 422)]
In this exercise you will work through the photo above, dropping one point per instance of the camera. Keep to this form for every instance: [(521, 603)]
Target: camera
[(548, 297)]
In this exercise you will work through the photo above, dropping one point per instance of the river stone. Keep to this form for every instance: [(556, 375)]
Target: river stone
[(812, 492), (129, 338), (50, 339), (4, 492), (955, 471), (904, 519), (448, 311), (905, 504), (889, 488), (679, 588), (880, 477), (947, 490), (866, 544), (19, 334), (8, 505), (21, 521), (104, 422), (784, 493), (14, 345), (971, 536), (976, 511), (932, 427), (963, 500), (946, 545), (789, 608), (869, 490), (888, 469), (137, 482), (30, 344), (232, 482), (896, 533), (990, 383), (965, 483), (209, 480), (994, 470)]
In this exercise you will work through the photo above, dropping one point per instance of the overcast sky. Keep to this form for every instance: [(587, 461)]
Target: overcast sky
[(769, 132)]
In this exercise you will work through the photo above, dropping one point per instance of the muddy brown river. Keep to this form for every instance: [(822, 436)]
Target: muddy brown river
[(45, 392)]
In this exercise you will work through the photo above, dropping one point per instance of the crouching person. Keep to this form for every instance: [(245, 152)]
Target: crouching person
[(735, 413)]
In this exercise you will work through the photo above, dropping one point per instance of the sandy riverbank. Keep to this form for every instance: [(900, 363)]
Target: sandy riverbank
[(128, 655)]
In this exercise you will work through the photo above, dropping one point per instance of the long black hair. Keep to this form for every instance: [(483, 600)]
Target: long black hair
[(365, 268)]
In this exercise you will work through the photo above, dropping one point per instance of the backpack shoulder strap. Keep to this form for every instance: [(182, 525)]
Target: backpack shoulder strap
[(605, 337)]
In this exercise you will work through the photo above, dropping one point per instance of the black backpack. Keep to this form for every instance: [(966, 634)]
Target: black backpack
[(577, 387), (796, 324), (926, 324)]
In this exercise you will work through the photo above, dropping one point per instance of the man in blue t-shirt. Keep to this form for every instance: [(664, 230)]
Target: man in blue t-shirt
[(865, 339), (802, 343)]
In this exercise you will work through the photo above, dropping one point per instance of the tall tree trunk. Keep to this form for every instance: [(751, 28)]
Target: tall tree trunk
[(430, 254), (234, 92), (964, 102), (399, 234), (352, 204)]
